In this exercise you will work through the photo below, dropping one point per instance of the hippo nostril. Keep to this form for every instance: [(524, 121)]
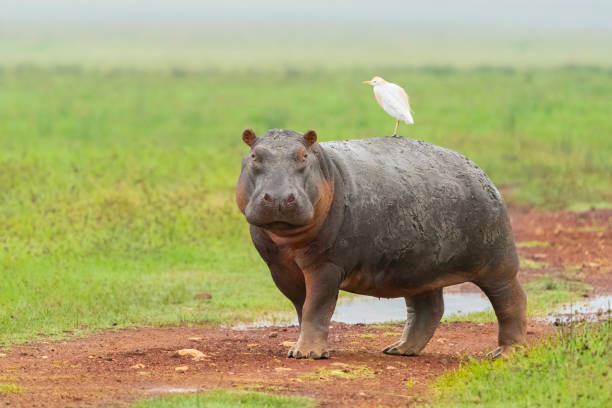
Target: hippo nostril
[(267, 197), (291, 198)]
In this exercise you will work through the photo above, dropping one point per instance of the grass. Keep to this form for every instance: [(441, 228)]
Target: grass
[(8, 388), (569, 370), (547, 294), (116, 186), (222, 399)]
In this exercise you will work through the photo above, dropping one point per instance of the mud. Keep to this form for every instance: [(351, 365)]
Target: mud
[(120, 367)]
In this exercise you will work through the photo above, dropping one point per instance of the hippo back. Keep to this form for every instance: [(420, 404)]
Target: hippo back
[(411, 202)]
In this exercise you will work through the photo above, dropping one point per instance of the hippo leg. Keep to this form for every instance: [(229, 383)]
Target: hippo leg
[(290, 280), (424, 314), (510, 303), (322, 287)]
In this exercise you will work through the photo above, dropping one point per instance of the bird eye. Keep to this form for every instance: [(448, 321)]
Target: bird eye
[(252, 155), (305, 155)]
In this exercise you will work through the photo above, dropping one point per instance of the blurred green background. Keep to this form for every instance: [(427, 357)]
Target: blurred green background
[(120, 128)]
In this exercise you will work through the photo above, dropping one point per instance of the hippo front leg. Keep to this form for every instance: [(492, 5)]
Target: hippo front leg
[(322, 287), (290, 280)]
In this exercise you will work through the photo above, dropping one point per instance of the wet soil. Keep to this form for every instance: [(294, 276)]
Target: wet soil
[(116, 368)]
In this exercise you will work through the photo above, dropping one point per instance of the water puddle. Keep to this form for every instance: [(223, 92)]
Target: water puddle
[(369, 310), (170, 390), (365, 309), (592, 310)]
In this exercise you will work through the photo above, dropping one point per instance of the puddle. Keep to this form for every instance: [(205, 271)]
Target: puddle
[(596, 309), (365, 309), (170, 390)]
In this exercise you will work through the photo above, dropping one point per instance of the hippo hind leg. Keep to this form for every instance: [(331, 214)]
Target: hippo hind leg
[(510, 303), (424, 314)]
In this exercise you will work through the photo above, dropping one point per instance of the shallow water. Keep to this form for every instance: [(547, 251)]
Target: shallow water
[(366, 309), (597, 308)]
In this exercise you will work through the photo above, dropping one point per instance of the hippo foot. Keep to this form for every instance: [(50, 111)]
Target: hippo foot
[(401, 349), (501, 351), (316, 353)]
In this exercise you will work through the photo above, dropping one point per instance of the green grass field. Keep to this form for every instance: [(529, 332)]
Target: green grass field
[(116, 191), (116, 187)]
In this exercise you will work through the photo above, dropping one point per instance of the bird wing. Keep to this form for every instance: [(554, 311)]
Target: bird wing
[(400, 96), (399, 93)]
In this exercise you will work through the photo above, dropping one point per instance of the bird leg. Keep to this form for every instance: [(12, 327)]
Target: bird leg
[(396, 125)]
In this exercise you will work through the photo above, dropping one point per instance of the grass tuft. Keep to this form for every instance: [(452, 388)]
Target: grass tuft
[(8, 388)]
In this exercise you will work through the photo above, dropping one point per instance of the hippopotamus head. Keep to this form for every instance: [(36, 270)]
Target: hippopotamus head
[(285, 183)]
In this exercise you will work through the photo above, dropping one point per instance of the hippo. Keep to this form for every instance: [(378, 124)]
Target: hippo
[(386, 217)]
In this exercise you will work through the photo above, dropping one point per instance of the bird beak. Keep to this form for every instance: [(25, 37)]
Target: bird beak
[(367, 82)]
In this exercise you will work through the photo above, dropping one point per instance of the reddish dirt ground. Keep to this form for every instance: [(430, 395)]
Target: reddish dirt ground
[(128, 365), (120, 367)]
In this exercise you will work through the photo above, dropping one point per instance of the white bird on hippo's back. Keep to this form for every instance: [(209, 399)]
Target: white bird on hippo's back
[(393, 99)]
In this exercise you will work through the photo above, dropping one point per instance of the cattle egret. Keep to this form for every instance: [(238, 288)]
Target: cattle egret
[(393, 99)]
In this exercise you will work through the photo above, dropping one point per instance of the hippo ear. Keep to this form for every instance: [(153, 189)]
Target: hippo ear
[(310, 137), (248, 137)]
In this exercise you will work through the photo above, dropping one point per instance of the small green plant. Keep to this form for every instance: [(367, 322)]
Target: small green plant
[(7, 388)]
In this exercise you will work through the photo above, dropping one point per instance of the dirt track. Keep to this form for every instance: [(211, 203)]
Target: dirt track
[(117, 367)]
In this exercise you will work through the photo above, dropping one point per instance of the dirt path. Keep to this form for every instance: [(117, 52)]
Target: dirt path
[(120, 367), (131, 364)]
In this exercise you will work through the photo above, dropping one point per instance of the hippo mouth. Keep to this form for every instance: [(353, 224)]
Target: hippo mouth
[(279, 226)]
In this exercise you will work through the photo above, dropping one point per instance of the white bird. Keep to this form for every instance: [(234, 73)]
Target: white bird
[(393, 99)]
